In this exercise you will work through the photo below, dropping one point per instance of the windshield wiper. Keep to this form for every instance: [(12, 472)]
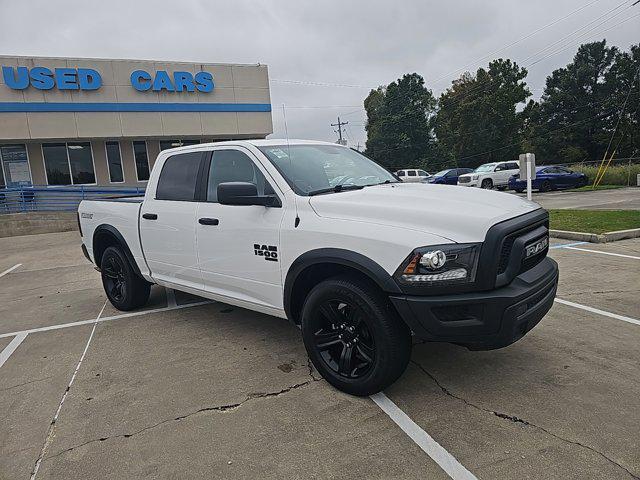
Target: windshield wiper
[(336, 189)]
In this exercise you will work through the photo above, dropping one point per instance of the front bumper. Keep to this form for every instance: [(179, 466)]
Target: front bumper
[(472, 183), (483, 320)]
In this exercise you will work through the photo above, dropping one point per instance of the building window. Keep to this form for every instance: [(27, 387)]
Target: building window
[(68, 163), (14, 166), (142, 160), (166, 144), (114, 162), (81, 163), (56, 163)]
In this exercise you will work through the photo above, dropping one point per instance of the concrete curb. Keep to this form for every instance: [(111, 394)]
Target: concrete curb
[(595, 237)]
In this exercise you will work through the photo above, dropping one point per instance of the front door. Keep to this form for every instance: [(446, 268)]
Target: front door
[(168, 222), (238, 245)]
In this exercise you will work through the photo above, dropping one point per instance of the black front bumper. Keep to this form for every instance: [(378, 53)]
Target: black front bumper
[(483, 320)]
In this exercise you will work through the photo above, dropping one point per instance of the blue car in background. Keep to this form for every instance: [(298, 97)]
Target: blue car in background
[(448, 177), (550, 177)]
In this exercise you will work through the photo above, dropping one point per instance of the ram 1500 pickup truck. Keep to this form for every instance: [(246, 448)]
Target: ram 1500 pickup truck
[(319, 234)]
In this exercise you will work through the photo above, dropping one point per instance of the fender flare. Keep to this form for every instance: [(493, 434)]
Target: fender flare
[(113, 231), (337, 256)]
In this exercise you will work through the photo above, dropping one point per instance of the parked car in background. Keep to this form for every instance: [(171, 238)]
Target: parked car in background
[(412, 175), (448, 177), (550, 177), (490, 175)]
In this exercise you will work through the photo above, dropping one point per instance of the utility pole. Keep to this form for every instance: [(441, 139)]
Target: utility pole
[(339, 132)]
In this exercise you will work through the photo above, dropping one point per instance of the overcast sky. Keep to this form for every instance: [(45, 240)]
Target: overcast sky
[(356, 44)]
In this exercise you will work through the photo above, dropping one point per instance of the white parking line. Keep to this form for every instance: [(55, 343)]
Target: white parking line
[(103, 319), (9, 270), (9, 349), (598, 311), (565, 245), (603, 253), (442, 457), (52, 425)]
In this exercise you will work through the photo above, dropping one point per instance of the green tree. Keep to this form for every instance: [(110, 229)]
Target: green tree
[(579, 109), (399, 123), (477, 120)]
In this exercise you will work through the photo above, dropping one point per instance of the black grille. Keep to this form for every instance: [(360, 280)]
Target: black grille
[(464, 179), (505, 253), (507, 246)]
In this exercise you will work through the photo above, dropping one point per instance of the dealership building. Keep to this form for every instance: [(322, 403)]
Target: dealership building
[(76, 121)]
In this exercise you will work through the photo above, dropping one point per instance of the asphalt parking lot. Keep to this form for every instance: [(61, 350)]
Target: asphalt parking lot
[(186, 389), (617, 199)]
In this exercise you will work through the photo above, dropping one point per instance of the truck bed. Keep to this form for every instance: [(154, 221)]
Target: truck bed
[(121, 213)]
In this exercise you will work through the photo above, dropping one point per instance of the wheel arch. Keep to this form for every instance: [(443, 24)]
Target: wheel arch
[(105, 236), (317, 265)]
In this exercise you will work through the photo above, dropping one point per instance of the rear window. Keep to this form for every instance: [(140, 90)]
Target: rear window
[(178, 177), (401, 173)]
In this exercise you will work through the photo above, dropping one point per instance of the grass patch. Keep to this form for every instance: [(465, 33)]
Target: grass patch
[(589, 188), (594, 221)]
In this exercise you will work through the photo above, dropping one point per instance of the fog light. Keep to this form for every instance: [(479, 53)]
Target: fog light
[(433, 260)]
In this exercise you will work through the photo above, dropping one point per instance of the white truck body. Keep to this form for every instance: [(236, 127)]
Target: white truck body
[(270, 255)]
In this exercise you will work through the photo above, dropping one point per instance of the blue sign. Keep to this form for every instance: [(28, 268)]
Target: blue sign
[(181, 81), (42, 78)]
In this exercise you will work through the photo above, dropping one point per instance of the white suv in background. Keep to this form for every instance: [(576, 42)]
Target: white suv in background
[(412, 175), (490, 175)]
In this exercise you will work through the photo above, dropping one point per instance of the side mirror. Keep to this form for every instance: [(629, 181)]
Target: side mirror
[(244, 193)]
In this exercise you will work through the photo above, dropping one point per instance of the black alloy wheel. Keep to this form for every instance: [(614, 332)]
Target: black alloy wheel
[(343, 339), (354, 336), (125, 289), (114, 278)]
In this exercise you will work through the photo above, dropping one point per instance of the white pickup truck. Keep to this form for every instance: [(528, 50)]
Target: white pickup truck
[(360, 265)]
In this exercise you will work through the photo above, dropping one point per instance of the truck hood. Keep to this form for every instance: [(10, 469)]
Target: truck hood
[(458, 214)]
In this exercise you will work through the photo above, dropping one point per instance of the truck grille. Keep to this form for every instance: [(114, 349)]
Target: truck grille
[(464, 179), (507, 248)]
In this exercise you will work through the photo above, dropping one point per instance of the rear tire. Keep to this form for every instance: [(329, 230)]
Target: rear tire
[(546, 186), (519, 190), (124, 288), (487, 184), (354, 337)]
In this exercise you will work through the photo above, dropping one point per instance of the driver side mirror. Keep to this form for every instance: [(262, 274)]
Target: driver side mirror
[(244, 193)]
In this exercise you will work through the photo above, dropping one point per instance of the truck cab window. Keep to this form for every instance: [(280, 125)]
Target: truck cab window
[(178, 177), (234, 166)]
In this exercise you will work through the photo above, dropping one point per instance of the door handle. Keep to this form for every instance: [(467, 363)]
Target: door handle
[(150, 216), (208, 221)]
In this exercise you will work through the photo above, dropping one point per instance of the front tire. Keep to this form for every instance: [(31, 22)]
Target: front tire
[(124, 288), (487, 184), (354, 337)]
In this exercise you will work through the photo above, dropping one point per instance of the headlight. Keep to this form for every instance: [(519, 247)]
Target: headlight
[(475, 177), (440, 265)]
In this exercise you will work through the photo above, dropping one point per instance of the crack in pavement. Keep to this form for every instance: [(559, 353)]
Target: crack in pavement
[(217, 408), (25, 383), (515, 419)]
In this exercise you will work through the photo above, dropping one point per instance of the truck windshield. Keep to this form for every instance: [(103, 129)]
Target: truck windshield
[(312, 168), (487, 167)]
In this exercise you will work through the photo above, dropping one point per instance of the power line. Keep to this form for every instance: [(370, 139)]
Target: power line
[(506, 47)]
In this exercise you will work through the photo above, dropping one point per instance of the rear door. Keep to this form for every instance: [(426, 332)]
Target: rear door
[(168, 222), (238, 246)]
